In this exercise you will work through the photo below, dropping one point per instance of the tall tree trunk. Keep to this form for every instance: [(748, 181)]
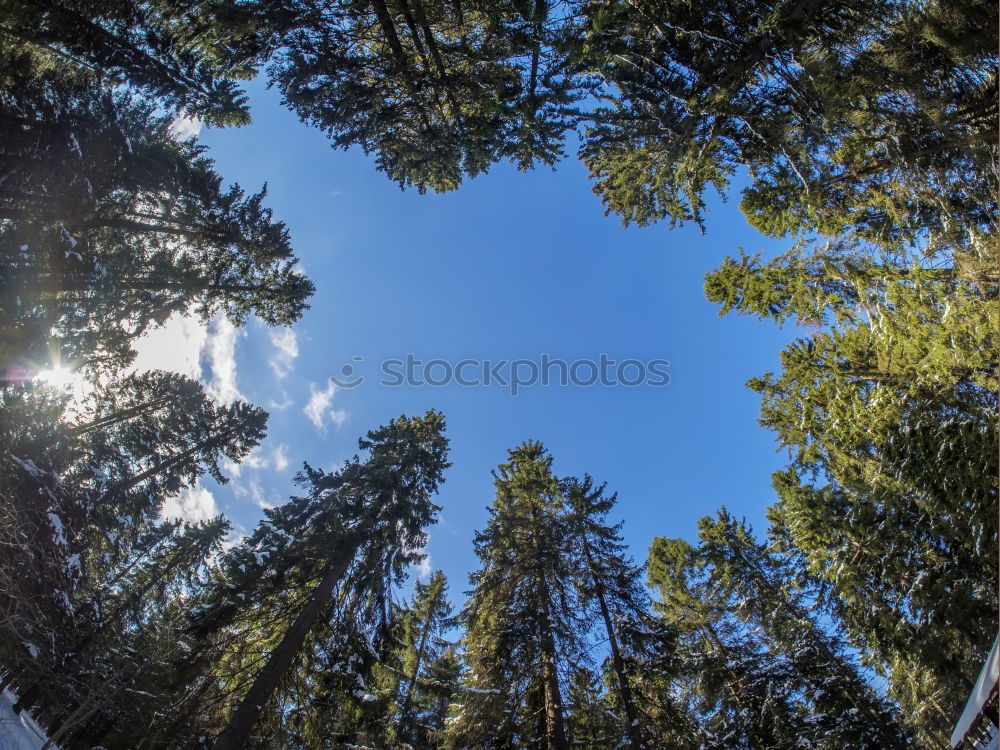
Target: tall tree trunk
[(241, 723), (404, 711), (555, 730), (121, 416), (625, 691), (392, 39)]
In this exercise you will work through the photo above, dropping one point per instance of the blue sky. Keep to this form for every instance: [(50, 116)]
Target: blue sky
[(512, 265)]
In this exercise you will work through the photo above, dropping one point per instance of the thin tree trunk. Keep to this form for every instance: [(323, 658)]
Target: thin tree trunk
[(164, 465), (241, 723), (625, 691), (436, 55), (555, 729), (121, 416), (392, 39), (535, 54), (404, 711)]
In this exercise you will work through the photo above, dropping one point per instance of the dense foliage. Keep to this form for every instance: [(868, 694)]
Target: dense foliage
[(863, 131)]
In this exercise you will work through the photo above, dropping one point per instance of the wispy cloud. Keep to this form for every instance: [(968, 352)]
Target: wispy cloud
[(175, 346), (186, 127), (423, 568), (220, 350), (185, 344), (256, 460), (191, 504), (279, 458), (253, 460), (286, 343), (318, 408), (257, 494), (285, 402)]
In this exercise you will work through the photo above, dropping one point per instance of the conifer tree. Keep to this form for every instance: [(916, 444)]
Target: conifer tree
[(422, 625), (769, 595), (888, 414), (743, 695), (112, 674), (112, 224), (188, 57), (351, 534), (609, 580), (437, 90), (133, 466), (845, 125), (589, 720), (521, 622)]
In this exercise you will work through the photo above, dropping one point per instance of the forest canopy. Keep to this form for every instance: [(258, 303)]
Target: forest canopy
[(863, 134)]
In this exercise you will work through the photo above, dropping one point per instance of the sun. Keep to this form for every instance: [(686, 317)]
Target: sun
[(58, 377)]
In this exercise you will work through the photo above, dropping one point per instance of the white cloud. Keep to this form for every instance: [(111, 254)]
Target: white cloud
[(279, 405), (318, 409), (184, 342), (287, 345), (186, 127), (191, 504), (237, 532), (253, 460), (220, 350), (423, 567), (279, 459), (256, 460), (176, 346), (258, 496)]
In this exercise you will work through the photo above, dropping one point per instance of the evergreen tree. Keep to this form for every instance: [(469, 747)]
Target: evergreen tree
[(437, 90), (188, 56), (845, 711), (423, 647), (521, 623), (112, 224), (350, 535), (743, 695), (846, 125), (112, 676), (589, 722), (609, 580), (888, 412), (133, 466)]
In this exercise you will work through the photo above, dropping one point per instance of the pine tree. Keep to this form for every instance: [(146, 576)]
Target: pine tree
[(743, 695), (112, 224), (132, 465), (422, 624), (521, 627), (609, 580), (888, 414), (845, 711), (846, 126), (188, 57), (111, 677), (437, 90), (350, 534), (41, 571), (589, 721)]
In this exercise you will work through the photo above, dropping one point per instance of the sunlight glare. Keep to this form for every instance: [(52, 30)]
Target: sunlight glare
[(58, 377)]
